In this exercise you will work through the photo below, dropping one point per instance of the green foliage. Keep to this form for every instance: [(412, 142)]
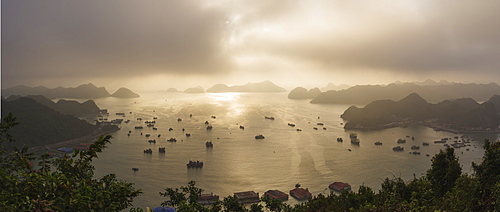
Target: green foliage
[(69, 187), (444, 171)]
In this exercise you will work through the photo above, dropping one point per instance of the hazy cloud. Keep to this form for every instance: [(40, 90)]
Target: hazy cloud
[(237, 41), (81, 38)]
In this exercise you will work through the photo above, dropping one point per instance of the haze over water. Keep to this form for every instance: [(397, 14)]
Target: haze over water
[(239, 162)]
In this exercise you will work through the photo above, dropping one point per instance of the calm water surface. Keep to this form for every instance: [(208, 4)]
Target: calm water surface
[(239, 162)]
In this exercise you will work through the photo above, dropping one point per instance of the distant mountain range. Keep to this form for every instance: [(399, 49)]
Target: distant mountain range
[(41, 125), (363, 94), (266, 86), (69, 107), (332, 86), (463, 114), (85, 91)]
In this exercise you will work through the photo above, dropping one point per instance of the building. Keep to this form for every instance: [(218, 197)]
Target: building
[(340, 186), (247, 197), (276, 194), (300, 193)]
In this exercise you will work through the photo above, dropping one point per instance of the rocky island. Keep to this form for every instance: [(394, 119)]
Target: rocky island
[(302, 93), (125, 93), (459, 115), (195, 90)]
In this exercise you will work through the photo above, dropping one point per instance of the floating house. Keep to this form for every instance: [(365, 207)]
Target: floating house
[(276, 194)]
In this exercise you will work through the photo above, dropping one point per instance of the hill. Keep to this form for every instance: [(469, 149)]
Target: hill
[(45, 125), (124, 93), (69, 107), (85, 91), (266, 86), (364, 94), (463, 114), (302, 93), (195, 90)]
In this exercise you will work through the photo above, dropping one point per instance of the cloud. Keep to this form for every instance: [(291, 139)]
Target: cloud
[(254, 40), (107, 38), (430, 37)]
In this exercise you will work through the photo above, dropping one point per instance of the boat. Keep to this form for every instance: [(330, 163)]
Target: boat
[(154, 128), (401, 141), (150, 125), (147, 135), (148, 151), (170, 129), (291, 125), (135, 169), (276, 194), (209, 144), (213, 117), (188, 134), (425, 143), (209, 127), (398, 148), (138, 127), (315, 128), (208, 199), (194, 164), (152, 141), (206, 122), (320, 124), (172, 140), (179, 119), (415, 147), (415, 153), (340, 186), (378, 143), (242, 127), (354, 138), (301, 194), (161, 149), (340, 140), (259, 137), (269, 117), (299, 129)]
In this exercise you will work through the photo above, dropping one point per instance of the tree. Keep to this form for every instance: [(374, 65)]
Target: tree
[(445, 170), (69, 187), (488, 175)]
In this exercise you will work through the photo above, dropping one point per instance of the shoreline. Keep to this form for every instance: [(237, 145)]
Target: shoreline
[(76, 141), (435, 128)]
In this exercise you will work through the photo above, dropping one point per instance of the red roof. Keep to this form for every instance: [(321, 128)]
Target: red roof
[(340, 186), (300, 193), (276, 194)]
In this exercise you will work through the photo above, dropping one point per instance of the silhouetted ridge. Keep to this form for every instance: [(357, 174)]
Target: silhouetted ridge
[(463, 114), (85, 91), (46, 126), (363, 94), (70, 107)]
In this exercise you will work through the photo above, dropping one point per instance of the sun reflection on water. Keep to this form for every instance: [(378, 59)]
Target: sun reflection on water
[(230, 101)]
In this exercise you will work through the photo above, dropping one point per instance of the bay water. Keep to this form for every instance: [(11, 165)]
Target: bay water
[(239, 162)]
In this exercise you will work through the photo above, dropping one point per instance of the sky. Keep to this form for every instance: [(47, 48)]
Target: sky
[(162, 44)]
